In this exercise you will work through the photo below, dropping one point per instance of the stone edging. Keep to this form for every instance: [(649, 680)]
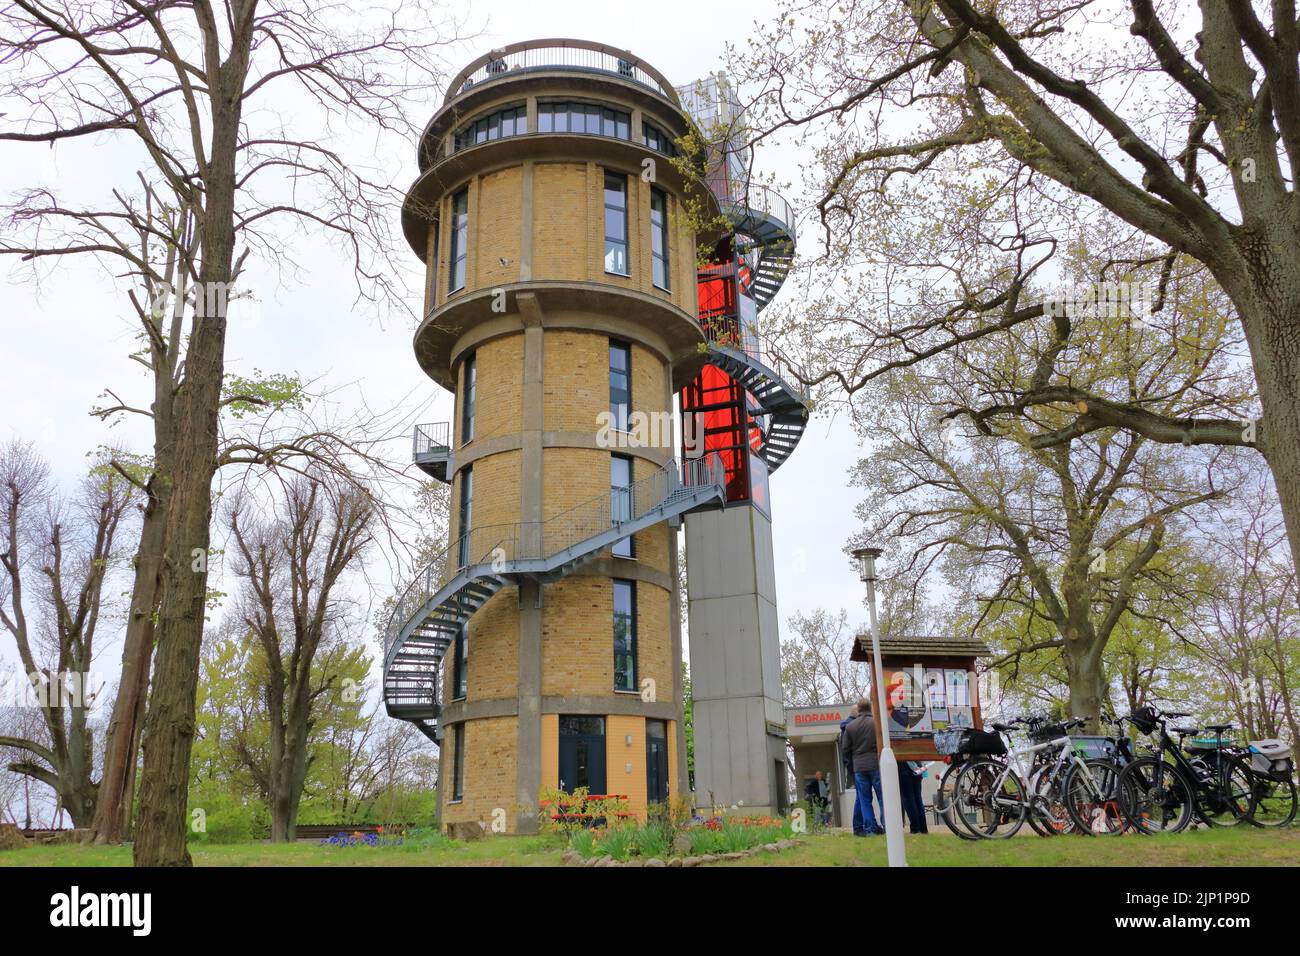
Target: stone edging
[(571, 857)]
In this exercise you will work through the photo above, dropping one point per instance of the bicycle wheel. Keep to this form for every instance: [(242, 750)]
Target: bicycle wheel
[(1224, 797), (990, 799), (944, 803), (1273, 801), (1092, 798), (1154, 797), (1047, 813)]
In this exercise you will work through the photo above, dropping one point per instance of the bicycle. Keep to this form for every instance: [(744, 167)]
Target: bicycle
[(1092, 798), (1273, 791), (991, 797), (1159, 795)]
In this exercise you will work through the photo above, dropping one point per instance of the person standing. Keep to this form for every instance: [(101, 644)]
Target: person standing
[(859, 739), (824, 796), (909, 788)]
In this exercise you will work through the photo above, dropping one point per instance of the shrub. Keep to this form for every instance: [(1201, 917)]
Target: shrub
[(225, 818)]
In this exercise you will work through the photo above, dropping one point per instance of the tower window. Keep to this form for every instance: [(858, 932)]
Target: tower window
[(460, 664), (588, 118), (502, 123), (466, 512), (620, 493), (459, 241), (657, 139), (620, 383), (616, 223), (625, 635), (458, 763), (433, 266), (659, 238), (467, 399)]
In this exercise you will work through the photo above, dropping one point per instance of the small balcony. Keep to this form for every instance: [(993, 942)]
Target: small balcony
[(431, 450)]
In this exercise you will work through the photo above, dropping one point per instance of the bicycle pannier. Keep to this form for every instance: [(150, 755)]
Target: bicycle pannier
[(1272, 757), (981, 742), (948, 742), (1144, 719)]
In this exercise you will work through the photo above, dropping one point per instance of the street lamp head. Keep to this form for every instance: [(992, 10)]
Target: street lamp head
[(866, 559)]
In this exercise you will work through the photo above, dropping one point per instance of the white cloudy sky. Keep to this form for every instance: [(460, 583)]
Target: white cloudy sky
[(67, 339)]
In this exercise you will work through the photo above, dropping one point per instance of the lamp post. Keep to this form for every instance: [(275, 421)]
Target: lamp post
[(866, 558)]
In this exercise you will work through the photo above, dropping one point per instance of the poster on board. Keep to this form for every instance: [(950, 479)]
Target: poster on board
[(925, 699)]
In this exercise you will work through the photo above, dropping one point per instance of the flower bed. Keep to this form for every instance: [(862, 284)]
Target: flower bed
[(660, 842), (375, 838)]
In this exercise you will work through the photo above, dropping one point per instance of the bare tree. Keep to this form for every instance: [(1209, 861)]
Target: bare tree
[(57, 558), (290, 568), (815, 665), (188, 83), (994, 127), (1243, 630)]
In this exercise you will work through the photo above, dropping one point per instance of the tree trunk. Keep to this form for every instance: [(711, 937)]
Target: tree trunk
[(169, 724), (288, 769), (1086, 679), (112, 822), (1269, 305)]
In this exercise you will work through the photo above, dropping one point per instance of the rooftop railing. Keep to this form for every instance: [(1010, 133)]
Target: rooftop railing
[(561, 54)]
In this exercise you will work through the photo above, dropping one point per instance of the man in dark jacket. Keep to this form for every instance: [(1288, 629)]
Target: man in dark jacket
[(859, 741), (846, 757)]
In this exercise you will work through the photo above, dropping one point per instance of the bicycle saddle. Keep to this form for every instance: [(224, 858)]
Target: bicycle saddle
[(1184, 731), (1003, 728), (1218, 728)]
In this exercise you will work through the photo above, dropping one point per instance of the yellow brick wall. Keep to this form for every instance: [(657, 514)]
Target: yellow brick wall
[(490, 748), (578, 637), (653, 545), (498, 396), (494, 647), (496, 230), (575, 379), (495, 501), (560, 211), (654, 658)]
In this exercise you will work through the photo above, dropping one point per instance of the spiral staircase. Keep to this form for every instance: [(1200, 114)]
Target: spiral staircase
[(443, 597)]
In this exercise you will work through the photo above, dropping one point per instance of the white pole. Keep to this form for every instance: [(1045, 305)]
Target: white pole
[(888, 765)]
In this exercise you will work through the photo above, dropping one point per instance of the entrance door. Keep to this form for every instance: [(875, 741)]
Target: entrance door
[(656, 761), (582, 754)]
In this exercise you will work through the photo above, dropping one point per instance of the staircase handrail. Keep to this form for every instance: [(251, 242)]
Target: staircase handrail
[(497, 545)]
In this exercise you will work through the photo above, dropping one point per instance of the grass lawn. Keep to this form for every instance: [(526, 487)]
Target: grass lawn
[(1241, 847), (1237, 847)]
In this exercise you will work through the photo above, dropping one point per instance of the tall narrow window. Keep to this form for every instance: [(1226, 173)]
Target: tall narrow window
[(459, 241), (466, 512), (625, 635), (616, 223), (467, 391), (620, 494), (458, 763), (620, 383), (460, 664), (433, 266), (659, 238)]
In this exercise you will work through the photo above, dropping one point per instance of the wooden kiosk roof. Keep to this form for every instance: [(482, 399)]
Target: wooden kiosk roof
[(919, 646)]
